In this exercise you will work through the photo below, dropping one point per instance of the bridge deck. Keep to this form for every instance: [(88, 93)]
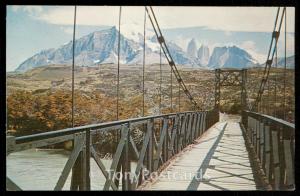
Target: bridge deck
[(220, 156)]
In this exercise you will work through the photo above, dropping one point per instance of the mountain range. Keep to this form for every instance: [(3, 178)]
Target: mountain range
[(102, 47)]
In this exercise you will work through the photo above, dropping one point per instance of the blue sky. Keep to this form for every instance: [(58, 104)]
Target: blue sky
[(30, 29), (26, 36)]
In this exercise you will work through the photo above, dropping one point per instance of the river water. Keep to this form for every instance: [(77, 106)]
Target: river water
[(40, 169)]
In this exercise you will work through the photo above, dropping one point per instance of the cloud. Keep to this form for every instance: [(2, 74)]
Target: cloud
[(68, 30), (250, 19), (290, 44), (15, 8), (250, 47), (247, 19), (94, 16), (261, 58), (31, 10), (182, 41), (228, 33)]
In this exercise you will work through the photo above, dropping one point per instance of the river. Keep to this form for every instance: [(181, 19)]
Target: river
[(37, 169)]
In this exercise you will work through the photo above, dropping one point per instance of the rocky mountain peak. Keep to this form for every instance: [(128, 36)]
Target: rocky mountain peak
[(192, 48), (203, 54), (230, 56)]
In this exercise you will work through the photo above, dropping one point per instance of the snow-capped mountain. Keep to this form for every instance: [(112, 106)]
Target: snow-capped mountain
[(102, 47), (231, 57), (99, 46)]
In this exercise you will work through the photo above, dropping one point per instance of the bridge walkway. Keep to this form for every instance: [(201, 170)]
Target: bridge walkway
[(217, 161)]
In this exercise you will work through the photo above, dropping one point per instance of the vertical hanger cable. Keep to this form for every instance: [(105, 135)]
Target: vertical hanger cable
[(73, 66), (118, 74)]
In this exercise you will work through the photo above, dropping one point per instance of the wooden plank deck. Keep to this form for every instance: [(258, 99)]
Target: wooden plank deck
[(219, 157)]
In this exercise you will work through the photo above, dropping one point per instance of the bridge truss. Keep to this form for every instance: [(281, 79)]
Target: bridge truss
[(229, 78)]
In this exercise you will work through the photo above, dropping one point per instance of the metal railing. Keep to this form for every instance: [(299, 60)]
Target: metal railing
[(163, 137), (273, 141)]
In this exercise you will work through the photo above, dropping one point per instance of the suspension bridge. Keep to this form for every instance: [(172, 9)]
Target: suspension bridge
[(189, 150)]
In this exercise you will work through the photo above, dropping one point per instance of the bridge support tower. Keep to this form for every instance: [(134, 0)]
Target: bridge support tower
[(230, 77)]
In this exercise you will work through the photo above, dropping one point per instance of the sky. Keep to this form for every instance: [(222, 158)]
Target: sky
[(30, 29)]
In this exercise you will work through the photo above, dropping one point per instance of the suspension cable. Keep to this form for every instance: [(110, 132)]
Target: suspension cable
[(178, 97), (160, 81), (167, 54), (269, 61), (144, 55), (284, 73), (171, 75), (73, 66), (268, 102), (118, 76), (263, 105), (275, 81)]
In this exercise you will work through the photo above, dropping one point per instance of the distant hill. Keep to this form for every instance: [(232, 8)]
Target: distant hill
[(290, 62)]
